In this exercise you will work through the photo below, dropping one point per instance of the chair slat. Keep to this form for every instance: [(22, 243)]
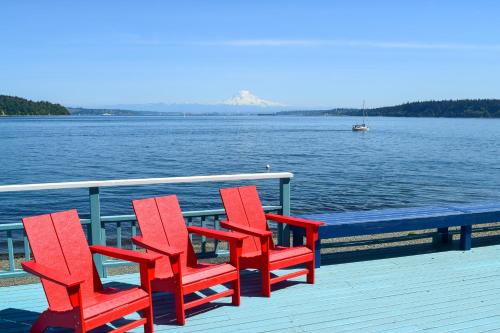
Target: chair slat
[(47, 251), (235, 211)]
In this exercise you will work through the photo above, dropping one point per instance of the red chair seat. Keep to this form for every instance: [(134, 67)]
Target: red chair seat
[(203, 271), (281, 253), (111, 299), (200, 272)]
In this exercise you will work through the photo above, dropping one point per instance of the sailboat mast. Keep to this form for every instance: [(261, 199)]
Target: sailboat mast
[(363, 112)]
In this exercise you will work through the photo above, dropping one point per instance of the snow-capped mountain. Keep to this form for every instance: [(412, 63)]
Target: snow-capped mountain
[(245, 97), (243, 102)]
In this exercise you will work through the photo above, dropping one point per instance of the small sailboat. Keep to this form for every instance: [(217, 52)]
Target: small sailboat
[(361, 127)]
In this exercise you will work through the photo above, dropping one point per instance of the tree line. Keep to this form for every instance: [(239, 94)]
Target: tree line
[(17, 106), (465, 108)]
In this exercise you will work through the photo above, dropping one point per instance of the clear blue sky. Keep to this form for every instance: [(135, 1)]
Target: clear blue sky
[(304, 53)]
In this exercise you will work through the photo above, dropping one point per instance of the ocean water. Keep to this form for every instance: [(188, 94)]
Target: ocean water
[(400, 162)]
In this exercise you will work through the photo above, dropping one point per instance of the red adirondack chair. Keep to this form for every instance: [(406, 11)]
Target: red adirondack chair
[(245, 214), (164, 232), (76, 296)]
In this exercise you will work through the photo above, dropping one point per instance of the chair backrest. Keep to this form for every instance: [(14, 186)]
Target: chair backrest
[(161, 222), (243, 206), (58, 242)]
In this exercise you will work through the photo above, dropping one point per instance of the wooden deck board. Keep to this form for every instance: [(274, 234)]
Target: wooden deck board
[(438, 292)]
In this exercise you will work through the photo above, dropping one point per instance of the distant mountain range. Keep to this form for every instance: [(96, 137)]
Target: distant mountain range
[(118, 112), (242, 103), (188, 109)]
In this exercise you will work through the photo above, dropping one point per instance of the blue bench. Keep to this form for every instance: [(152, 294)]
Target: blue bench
[(348, 224)]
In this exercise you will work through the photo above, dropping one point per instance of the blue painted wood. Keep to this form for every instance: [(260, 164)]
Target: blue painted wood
[(134, 233), (10, 251), (284, 229), (317, 253), (216, 226), (444, 235), (465, 237), (298, 239), (119, 235), (203, 238), (95, 227), (348, 224), (27, 250), (438, 292)]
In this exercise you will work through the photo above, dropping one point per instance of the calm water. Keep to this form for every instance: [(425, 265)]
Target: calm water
[(400, 162)]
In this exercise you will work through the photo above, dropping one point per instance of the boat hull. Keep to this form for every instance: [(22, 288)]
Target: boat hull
[(360, 128)]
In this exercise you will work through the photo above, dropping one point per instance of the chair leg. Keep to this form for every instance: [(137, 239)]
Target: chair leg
[(179, 307), (68, 319), (236, 288), (79, 329), (310, 274), (40, 325), (148, 314), (266, 281)]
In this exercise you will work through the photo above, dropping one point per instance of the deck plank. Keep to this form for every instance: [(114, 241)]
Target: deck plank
[(450, 291)]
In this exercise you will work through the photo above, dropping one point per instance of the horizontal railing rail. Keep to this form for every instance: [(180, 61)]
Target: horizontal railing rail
[(144, 181), (124, 226)]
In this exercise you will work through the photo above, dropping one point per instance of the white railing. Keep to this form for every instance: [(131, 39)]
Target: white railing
[(95, 224), (143, 181)]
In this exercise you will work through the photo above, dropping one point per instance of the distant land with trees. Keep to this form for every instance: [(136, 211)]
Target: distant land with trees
[(117, 112), (17, 106), (464, 108)]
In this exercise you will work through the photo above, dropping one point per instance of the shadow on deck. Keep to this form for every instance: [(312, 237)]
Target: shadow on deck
[(394, 251), (20, 319)]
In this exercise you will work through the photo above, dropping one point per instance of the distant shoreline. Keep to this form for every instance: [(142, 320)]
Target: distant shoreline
[(11, 106), (467, 108), (71, 116)]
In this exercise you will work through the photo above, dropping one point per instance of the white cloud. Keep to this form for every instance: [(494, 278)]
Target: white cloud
[(245, 97), (267, 42), (347, 43)]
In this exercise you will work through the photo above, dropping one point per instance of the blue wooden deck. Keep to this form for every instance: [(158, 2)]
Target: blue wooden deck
[(449, 291)]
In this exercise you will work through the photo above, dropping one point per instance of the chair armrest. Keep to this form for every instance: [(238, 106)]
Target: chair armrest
[(165, 250), (310, 226), (217, 234), (50, 274), (235, 240), (128, 255), (246, 230), (295, 221)]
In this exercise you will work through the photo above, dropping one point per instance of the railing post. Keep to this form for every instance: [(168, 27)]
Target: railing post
[(284, 230), (27, 250), (95, 226), (10, 251)]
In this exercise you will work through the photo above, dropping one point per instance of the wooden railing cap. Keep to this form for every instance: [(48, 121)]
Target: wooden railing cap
[(144, 181)]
